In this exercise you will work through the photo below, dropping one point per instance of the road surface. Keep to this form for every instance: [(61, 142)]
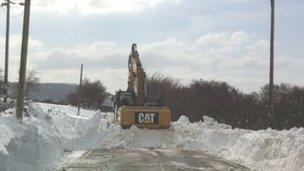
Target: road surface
[(149, 160)]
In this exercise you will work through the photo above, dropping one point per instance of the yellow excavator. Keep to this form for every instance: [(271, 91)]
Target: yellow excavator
[(131, 106)]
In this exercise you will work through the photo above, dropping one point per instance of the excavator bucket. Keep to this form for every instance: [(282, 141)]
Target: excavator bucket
[(145, 117)]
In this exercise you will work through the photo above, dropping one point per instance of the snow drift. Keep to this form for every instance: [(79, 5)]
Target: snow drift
[(45, 139), (262, 150), (32, 145)]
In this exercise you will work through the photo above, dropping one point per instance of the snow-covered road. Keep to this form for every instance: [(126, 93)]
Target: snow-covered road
[(149, 160)]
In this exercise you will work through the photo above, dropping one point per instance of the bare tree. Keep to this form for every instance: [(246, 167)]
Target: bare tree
[(212, 98), (92, 94), (227, 104), (32, 82)]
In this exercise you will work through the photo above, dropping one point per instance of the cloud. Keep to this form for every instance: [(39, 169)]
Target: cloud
[(214, 53), (233, 56), (215, 39), (87, 7), (35, 46)]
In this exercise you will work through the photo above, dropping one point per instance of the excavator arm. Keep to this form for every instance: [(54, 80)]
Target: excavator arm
[(137, 77)]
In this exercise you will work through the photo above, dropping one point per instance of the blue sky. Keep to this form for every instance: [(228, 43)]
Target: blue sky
[(187, 39)]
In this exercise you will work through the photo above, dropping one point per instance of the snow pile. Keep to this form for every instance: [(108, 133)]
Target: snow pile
[(262, 150), (46, 138), (32, 145)]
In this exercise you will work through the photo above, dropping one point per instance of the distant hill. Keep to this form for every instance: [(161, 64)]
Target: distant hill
[(47, 91), (52, 91)]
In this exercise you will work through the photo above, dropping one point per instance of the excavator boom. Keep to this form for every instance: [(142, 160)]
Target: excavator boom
[(137, 77)]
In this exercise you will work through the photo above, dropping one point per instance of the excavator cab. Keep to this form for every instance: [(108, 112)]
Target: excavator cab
[(131, 106), (124, 98)]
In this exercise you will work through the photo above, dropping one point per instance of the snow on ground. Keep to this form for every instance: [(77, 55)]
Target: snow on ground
[(53, 134)]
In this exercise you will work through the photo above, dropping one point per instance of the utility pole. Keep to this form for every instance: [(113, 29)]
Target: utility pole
[(80, 90), (7, 4), (271, 107), (22, 70)]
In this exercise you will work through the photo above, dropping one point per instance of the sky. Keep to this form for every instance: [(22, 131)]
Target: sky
[(185, 39)]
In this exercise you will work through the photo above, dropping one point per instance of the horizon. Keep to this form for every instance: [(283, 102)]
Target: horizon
[(255, 91)]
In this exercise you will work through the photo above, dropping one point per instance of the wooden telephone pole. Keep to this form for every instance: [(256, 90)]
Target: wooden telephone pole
[(271, 68), (80, 90), (7, 4), (22, 70)]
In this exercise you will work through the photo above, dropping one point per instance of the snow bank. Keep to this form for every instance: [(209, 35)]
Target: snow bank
[(32, 145), (45, 138), (262, 150), (40, 142)]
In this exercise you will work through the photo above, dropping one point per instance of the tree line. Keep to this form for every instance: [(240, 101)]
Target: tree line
[(90, 95), (218, 100), (227, 104)]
